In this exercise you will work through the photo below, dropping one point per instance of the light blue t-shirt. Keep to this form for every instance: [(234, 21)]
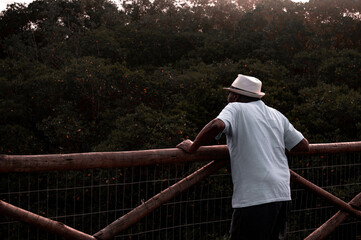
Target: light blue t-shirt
[(257, 136)]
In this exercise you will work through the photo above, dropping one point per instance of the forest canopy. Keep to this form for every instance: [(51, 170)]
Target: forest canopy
[(87, 75)]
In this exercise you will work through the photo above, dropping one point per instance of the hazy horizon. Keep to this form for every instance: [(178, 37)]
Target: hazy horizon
[(4, 3)]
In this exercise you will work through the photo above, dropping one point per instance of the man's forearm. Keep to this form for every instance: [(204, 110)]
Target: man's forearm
[(207, 134)]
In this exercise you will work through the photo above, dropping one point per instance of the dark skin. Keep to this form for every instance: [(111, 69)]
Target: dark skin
[(214, 127)]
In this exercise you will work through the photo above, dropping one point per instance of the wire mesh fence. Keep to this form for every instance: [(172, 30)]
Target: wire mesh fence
[(339, 174), (89, 200)]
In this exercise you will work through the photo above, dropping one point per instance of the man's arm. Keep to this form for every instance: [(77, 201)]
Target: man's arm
[(207, 134), (302, 146)]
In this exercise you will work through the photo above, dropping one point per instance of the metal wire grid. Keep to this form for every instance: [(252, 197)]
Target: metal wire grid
[(339, 174), (89, 200)]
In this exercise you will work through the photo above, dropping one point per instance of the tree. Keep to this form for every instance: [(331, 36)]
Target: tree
[(84, 64), (342, 69), (145, 129), (328, 113)]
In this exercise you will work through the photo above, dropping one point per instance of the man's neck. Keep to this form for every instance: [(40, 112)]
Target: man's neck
[(246, 99)]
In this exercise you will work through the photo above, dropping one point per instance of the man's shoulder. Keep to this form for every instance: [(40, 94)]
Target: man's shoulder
[(274, 110), (233, 105)]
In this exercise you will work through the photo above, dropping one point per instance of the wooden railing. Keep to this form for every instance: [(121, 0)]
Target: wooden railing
[(218, 155)]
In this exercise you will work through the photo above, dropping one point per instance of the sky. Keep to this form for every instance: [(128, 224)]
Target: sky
[(4, 3)]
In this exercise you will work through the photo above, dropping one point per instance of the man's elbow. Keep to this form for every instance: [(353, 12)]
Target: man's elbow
[(302, 146), (217, 125), (306, 145)]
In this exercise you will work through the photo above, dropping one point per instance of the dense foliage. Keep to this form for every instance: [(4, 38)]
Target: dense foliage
[(85, 75)]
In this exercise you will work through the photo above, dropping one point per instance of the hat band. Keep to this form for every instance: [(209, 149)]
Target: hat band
[(242, 90)]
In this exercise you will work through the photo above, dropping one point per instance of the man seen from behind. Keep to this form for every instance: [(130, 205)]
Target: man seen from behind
[(257, 138)]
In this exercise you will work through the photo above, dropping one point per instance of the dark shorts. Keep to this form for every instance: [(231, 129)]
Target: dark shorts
[(260, 222)]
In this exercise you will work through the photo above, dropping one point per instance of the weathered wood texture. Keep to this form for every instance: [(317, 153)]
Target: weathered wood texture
[(331, 148), (143, 210), (328, 227), (46, 224), (325, 195), (77, 161)]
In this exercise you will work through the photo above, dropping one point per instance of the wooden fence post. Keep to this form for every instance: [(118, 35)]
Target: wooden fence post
[(36, 163), (330, 226), (325, 195), (141, 211), (41, 222)]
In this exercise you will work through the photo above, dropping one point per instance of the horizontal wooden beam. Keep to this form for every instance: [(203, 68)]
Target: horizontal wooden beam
[(92, 160), (331, 148), (77, 161)]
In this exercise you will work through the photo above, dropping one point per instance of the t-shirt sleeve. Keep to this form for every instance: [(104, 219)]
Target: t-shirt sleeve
[(226, 116), (292, 137)]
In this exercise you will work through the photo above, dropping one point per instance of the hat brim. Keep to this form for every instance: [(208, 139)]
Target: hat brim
[(246, 93)]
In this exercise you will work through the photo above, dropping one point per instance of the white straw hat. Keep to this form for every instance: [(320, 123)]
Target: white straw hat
[(247, 85)]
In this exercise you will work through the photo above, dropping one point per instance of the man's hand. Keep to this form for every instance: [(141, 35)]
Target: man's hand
[(209, 132), (186, 146)]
